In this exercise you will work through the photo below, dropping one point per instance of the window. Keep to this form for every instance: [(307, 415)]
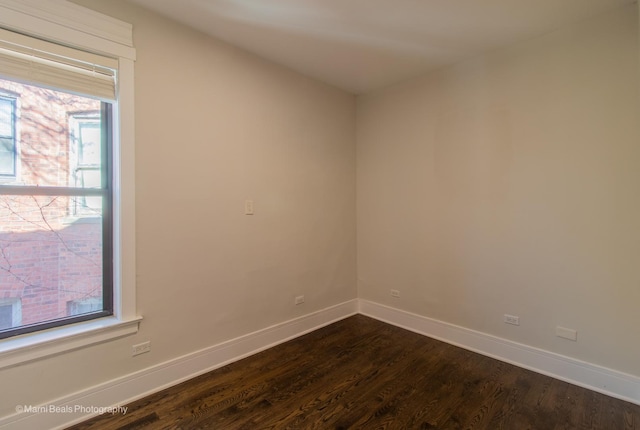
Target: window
[(85, 160), (91, 60), (84, 306), (10, 313), (66, 170), (45, 261), (7, 136)]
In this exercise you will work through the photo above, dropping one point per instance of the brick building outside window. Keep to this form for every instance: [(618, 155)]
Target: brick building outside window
[(51, 256)]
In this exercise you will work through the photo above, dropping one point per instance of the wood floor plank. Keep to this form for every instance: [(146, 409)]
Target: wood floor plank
[(360, 373)]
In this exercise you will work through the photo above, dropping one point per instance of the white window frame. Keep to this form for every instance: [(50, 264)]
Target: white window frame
[(81, 28)]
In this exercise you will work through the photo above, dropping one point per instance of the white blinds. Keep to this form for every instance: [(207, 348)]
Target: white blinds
[(34, 61)]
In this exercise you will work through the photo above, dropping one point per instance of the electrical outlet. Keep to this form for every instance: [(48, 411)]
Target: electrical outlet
[(395, 293), (299, 300), (141, 348), (567, 333), (511, 319)]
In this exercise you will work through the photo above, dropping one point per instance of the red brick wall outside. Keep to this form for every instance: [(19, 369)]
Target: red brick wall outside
[(48, 257)]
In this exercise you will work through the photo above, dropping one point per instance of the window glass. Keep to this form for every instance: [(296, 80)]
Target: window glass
[(6, 117), (7, 137), (6, 316), (55, 224)]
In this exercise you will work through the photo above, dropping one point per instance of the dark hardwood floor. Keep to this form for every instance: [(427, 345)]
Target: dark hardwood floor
[(360, 373)]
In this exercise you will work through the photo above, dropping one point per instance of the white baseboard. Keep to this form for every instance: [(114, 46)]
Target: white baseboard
[(147, 381), (607, 381)]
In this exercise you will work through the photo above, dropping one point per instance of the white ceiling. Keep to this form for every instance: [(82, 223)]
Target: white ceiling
[(362, 45)]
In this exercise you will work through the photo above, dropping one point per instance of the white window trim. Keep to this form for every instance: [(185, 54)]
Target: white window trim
[(75, 26)]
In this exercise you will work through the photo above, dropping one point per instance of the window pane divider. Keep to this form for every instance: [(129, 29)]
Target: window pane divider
[(28, 190)]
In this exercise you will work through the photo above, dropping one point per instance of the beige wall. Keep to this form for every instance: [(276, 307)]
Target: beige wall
[(505, 184), (216, 126), (509, 183)]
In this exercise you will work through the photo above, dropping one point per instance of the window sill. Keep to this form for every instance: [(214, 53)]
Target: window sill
[(29, 347)]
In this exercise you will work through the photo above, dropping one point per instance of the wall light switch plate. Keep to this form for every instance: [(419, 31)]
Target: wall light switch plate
[(248, 207)]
